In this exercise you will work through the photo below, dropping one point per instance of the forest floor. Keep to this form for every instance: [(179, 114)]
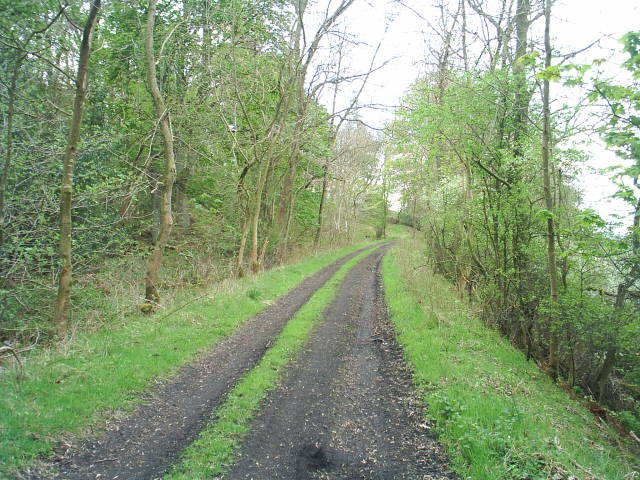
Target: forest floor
[(343, 408)]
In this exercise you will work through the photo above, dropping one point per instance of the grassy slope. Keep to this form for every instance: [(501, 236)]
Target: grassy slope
[(68, 388), (498, 415), (212, 451)]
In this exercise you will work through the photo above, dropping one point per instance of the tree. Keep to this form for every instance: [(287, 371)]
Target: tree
[(477, 137), (338, 119), (623, 135), (554, 345), (303, 56), (64, 285), (169, 174)]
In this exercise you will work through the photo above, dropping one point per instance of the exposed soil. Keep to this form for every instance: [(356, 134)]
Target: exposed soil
[(346, 408), (149, 440)]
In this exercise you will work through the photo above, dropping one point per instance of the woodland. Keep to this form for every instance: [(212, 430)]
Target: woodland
[(154, 147)]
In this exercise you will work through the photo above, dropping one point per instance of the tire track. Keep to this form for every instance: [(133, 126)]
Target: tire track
[(145, 443), (346, 408)]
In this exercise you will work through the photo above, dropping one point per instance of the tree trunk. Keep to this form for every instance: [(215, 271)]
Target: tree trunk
[(522, 96), (554, 344), (414, 223), (467, 232), (263, 251), (323, 196), (286, 201), (255, 219), (61, 313), (243, 243), (385, 209), (162, 117), (465, 56), (286, 195), (156, 214), (602, 377)]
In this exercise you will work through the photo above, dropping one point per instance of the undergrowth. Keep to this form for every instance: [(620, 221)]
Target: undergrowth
[(498, 415), (64, 389), (212, 452), (109, 289)]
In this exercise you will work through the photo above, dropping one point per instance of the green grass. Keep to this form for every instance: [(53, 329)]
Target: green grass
[(498, 415), (213, 451), (395, 231), (66, 389)]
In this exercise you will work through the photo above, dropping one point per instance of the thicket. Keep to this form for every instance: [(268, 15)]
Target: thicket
[(488, 175), (260, 167)]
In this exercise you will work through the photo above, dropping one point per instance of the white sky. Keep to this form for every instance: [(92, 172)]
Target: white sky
[(575, 24), (578, 24)]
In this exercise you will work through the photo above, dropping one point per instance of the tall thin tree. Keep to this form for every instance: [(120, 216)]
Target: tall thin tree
[(169, 174), (61, 313), (554, 356), (303, 58)]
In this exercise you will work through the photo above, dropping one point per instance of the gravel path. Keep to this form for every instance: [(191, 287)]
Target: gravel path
[(149, 440), (346, 408)]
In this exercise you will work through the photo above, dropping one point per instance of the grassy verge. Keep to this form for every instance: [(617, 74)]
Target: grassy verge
[(213, 450), (498, 415), (396, 231), (76, 384)]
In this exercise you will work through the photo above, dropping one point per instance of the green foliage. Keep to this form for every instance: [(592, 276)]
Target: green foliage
[(630, 420), (224, 69), (551, 74), (623, 131), (498, 415), (253, 293), (468, 169)]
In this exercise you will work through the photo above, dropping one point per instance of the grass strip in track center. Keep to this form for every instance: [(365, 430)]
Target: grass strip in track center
[(212, 452), (77, 383)]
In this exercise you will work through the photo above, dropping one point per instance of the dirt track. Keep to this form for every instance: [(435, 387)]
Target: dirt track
[(149, 440), (345, 409)]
